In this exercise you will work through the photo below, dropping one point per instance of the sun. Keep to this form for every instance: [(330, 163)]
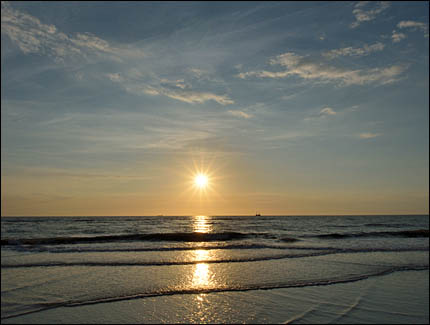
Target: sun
[(201, 181)]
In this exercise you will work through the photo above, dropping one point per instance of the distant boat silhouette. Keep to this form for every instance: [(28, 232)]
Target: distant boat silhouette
[(258, 215)]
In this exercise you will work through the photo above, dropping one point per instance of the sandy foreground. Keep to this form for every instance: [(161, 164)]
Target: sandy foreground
[(401, 297)]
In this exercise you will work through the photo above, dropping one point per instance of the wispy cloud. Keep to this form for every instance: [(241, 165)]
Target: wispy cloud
[(240, 114), (33, 36), (177, 89), (198, 73), (397, 37), (177, 83), (314, 69), (409, 24), (324, 113), (361, 15), (415, 25), (189, 96), (327, 111), (115, 77), (350, 51), (368, 135)]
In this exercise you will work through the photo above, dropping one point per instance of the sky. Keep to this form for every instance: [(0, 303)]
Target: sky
[(289, 108)]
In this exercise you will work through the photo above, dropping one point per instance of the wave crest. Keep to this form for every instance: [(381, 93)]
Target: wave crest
[(180, 237)]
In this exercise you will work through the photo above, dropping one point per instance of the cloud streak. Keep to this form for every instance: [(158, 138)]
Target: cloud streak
[(350, 51), (368, 135), (189, 96), (34, 37), (397, 37), (327, 111), (175, 89), (414, 25), (240, 114), (362, 15), (411, 25), (313, 69)]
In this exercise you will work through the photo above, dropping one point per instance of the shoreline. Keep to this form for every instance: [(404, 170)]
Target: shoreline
[(369, 300)]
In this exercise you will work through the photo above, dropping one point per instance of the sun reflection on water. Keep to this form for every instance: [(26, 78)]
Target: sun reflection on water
[(201, 224), (201, 255), (202, 274)]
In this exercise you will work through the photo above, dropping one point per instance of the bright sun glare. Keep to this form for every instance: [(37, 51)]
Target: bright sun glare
[(201, 181)]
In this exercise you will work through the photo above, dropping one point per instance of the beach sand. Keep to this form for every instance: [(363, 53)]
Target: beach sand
[(400, 297)]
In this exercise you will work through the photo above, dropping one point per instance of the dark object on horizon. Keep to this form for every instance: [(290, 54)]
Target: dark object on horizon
[(257, 214)]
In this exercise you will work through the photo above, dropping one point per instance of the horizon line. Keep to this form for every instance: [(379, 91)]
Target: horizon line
[(221, 215)]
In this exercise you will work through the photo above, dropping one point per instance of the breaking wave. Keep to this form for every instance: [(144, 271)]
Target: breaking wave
[(202, 237), (178, 237)]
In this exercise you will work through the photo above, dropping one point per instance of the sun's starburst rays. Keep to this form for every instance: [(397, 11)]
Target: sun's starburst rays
[(202, 179), (202, 182)]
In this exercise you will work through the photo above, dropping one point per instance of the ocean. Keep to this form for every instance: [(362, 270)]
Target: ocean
[(49, 263)]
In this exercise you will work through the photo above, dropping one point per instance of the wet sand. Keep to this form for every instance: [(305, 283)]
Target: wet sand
[(400, 297)]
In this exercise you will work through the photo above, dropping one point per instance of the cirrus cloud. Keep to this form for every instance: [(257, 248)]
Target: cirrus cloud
[(397, 37), (350, 51), (35, 37), (362, 15), (368, 135), (414, 25), (240, 114), (313, 69), (187, 96), (327, 111)]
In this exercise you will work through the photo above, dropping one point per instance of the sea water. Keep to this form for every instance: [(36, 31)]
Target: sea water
[(52, 262)]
